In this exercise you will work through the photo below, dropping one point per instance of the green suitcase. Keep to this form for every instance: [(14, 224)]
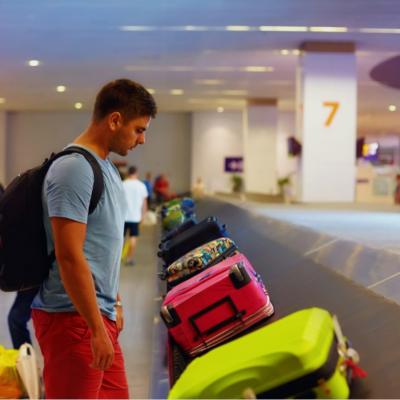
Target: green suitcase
[(173, 218), (302, 355)]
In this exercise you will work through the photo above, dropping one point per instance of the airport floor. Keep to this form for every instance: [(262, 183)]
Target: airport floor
[(360, 242)]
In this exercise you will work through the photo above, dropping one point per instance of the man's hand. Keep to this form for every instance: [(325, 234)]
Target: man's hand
[(120, 318), (102, 351)]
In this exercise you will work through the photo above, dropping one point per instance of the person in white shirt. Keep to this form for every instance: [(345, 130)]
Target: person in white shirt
[(136, 194)]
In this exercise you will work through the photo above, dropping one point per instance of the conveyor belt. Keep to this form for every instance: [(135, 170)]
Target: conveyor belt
[(371, 322)]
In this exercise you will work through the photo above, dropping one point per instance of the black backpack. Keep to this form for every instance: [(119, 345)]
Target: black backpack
[(24, 259)]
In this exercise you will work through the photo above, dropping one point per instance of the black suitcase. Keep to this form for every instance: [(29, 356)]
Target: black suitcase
[(181, 228), (205, 231)]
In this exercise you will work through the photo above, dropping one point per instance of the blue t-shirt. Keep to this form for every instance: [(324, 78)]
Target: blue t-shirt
[(66, 193)]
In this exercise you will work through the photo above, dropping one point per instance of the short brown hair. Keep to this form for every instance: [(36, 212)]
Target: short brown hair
[(128, 97)]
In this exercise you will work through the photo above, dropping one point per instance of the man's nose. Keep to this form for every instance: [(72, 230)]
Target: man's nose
[(141, 139)]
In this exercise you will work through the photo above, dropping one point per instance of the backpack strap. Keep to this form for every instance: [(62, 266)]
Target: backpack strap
[(98, 185)]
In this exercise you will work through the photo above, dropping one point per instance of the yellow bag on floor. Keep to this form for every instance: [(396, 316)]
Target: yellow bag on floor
[(125, 250), (10, 383)]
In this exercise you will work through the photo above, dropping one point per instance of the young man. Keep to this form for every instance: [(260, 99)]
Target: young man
[(77, 313), (136, 195)]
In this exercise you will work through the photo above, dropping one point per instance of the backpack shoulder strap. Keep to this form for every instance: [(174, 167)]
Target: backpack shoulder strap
[(98, 185)]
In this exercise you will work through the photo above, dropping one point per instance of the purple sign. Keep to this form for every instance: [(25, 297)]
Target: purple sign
[(233, 164)]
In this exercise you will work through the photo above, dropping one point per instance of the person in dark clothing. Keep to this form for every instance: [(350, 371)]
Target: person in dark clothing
[(19, 316)]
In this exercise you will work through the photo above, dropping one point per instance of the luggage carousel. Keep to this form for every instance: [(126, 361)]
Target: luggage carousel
[(371, 322)]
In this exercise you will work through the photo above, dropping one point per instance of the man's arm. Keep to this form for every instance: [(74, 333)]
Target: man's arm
[(69, 237), (144, 208)]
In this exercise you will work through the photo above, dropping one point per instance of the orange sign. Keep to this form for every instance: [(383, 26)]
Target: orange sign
[(335, 106)]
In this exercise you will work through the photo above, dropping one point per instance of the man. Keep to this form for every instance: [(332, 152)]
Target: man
[(161, 189), (136, 195), (149, 186), (77, 313)]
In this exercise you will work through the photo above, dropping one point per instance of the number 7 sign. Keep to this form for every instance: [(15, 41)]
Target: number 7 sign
[(335, 106)]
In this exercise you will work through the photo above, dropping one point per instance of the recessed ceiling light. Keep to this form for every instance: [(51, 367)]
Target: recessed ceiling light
[(329, 29), (220, 69), (33, 63), (220, 109), (151, 91), (210, 82), (237, 28), (2, 100), (296, 52), (78, 105), (379, 30), (137, 28), (256, 68), (392, 108), (235, 92), (283, 28), (284, 52), (61, 88), (195, 28), (176, 92)]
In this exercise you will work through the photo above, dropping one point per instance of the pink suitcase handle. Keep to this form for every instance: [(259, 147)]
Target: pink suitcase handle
[(237, 315)]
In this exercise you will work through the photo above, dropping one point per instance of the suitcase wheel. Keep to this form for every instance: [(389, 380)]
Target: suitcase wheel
[(239, 276)]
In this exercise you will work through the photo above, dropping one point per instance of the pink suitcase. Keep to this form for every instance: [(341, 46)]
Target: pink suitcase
[(215, 305)]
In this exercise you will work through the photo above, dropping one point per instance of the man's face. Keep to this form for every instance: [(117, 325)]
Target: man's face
[(129, 134)]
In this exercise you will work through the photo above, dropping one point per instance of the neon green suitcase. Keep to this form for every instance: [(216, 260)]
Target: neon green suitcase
[(173, 217), (301, 355)]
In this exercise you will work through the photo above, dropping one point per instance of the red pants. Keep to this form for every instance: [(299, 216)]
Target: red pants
[(64, 339)]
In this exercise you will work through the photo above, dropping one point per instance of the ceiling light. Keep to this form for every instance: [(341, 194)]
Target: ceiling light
[(176, 92), (33, 63), (284, 52), (237, 28), (209, 82), (220, 109), (78, 105), (379, 30), (195, 28), (220, 69), (137, 28), (151, 91), (255, 68), (2, 100), (235, 92), (392, 108), (283, 28), (296, 52), (61, 88), (329, 29)]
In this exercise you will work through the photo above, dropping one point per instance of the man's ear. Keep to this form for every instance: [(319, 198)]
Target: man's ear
[(114, 120)]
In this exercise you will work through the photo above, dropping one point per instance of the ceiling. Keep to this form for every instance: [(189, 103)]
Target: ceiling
[(184, 44)]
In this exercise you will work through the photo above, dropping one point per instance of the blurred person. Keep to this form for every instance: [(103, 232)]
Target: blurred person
[(77, 313), (136, 195), (161, 189), (198, 189), (19, 316), (149, 186)]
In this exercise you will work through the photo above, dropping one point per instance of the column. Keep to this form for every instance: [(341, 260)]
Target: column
[(260, 146), (326, 121)]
